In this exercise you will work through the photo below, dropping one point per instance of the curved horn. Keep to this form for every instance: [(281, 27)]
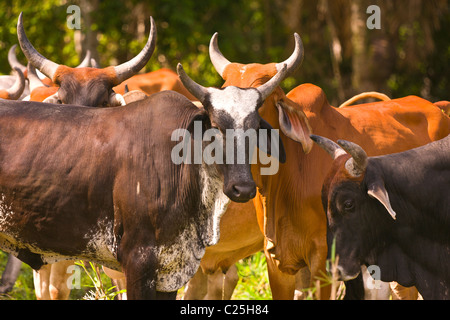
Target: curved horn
[(12, 59), (16, 90), (86, 61), (33, 78), (193, 87), (41, 63), (296, 58), (217, 58), (94, 64), (133, 66), (267, 88), (332, 148), (357, 164)]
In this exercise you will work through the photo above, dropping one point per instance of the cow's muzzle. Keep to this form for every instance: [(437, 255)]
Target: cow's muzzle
[(241, 192)]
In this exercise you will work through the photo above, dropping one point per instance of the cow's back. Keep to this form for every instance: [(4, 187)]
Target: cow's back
[(411, 120)]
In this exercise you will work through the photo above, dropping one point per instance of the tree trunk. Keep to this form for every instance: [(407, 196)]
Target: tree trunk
[(359, 51), (86, 38)]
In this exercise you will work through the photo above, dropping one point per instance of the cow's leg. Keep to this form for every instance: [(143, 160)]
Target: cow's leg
[(140, 271), (400, 292), (281, 284), (118, 280), (318, 260), (166, 295), (58, 288), (10, 274), (42, 282), (120, 284), (302, 281), (221, 286), (197, 287)]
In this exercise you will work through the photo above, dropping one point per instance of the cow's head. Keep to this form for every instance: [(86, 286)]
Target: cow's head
[(17, 88), (86, 86), (233, 112), (357, 204), (291, 119)]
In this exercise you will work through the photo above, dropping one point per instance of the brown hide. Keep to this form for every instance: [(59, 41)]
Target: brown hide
[(444, 106), (295, 224), (41, 93), (155, 81), (4, 94)]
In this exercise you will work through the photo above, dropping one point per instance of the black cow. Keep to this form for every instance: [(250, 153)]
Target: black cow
[(391, 211), (99, 184)]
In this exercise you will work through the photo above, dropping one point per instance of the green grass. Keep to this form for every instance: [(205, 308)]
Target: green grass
[(24, 287), (253, 283), (95, 284), (92, 286), (253, 280)]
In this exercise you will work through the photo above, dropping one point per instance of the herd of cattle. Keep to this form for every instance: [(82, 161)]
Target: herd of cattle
[(86, 173)]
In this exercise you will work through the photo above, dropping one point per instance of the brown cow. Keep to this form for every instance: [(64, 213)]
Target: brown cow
[(295, 224), (132, 206), (244, 237), (153, 82), (86, 86)]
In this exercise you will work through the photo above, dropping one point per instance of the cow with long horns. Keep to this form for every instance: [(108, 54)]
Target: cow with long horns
[(391, 211), (132, 207), (294, 225), (90, 87)]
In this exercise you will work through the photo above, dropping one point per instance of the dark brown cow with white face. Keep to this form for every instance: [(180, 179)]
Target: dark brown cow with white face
[(99, 184), (89, 87)]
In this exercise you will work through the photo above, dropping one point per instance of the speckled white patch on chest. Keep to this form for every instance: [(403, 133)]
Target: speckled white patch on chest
[(102, 241), (179, 261)]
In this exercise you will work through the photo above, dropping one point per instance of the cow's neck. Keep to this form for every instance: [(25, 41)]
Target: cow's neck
[(200, 231), (214, 201), (293, 194)]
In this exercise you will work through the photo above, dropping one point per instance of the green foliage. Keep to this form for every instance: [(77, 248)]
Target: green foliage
[(253, 280), (24, 287), (97, 280), (249, 31)]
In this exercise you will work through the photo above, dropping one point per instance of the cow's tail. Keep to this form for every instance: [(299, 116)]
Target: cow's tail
[(364, 95)]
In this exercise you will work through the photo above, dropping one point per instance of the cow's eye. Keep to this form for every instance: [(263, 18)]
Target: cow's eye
[(59, 101), (349, 205)]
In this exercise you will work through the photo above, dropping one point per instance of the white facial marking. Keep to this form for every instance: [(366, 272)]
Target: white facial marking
[(238, 103), (242, 71)]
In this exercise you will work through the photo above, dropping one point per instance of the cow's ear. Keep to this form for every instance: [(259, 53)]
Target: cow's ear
[(294, 124), (377, 190), (273, 146), (199, 119)]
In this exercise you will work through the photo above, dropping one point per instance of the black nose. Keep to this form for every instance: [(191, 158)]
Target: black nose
[(243, 192)]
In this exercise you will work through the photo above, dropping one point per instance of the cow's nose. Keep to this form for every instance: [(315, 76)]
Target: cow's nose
[(243, 192)]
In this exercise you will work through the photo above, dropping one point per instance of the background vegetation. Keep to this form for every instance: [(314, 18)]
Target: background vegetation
[(253, 282), (410, 54)]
